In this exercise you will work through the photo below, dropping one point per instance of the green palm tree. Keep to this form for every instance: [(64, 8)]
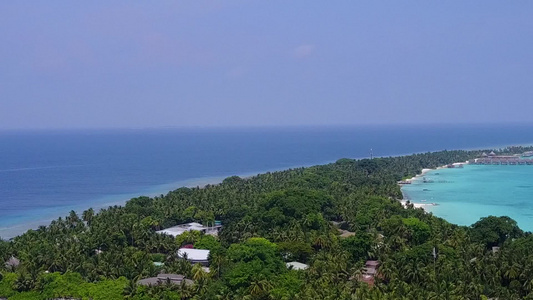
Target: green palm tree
[(88, 216)]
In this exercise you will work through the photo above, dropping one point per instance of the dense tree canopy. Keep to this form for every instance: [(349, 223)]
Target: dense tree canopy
[(494, 231)]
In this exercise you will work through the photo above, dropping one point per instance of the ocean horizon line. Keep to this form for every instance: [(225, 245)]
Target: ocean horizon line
[(270, 126)]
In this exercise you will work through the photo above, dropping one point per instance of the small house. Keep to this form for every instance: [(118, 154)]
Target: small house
[(195, 256), (179, 229), (294, 265), (369, 272), (165, 279)]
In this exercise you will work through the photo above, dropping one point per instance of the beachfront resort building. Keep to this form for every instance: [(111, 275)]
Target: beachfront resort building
[(179, 229), (195, 256)]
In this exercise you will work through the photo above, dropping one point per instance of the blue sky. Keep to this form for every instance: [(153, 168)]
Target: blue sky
[(124, 64)]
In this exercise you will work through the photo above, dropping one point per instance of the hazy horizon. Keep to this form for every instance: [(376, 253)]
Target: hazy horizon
[(301, 127), (232, 64)]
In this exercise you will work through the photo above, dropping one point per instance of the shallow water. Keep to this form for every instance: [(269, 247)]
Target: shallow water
[(465, 195)]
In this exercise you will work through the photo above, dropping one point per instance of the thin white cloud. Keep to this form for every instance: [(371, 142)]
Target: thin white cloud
[(304, 50)]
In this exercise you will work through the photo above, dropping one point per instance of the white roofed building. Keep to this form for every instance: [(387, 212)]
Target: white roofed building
[(179, 229), (195, 256), (294, 265)]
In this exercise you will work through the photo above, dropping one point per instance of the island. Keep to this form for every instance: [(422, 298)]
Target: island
[(335, 231)]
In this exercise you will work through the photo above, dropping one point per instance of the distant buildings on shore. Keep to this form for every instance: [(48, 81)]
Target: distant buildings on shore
[(493, 159)]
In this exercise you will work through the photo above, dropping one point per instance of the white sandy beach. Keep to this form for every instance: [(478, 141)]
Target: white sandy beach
[(417, 205), (424, 171), (425, 206)]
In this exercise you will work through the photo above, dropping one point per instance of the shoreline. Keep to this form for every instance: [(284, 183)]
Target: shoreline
[(13, 230), (425, 206), (424, 171), (477, 191), (18, 228)]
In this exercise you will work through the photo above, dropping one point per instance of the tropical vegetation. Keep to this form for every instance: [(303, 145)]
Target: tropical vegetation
[(271, 219)]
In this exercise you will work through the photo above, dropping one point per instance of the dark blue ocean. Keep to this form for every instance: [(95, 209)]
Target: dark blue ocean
[(45, 174)]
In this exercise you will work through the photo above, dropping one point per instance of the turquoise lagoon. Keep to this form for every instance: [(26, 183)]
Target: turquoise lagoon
[(464, 195)]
